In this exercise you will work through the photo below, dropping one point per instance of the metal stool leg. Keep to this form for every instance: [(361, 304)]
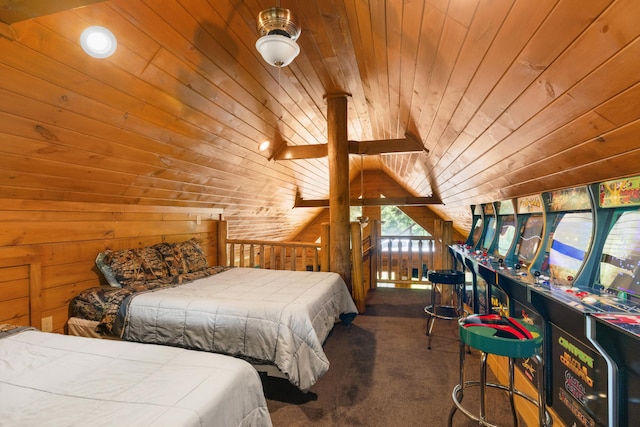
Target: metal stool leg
[(430, 323), (543, 416), (511, 392), (458, 391), (431, 319), (483, 387)]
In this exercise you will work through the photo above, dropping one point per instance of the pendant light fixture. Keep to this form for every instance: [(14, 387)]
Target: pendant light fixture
[(279, 33)]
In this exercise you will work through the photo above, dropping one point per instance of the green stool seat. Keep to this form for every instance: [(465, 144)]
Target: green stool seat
[(485, 339), (501, 336)]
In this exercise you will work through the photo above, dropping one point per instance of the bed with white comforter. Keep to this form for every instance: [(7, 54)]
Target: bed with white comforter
[(264, 316), (281, 317), (52, 379)]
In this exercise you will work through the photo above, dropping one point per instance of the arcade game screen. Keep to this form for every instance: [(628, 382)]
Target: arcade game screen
[(507, 232), (477, 232), (572, 233), (490, 233), (620, 262), (530, 238)]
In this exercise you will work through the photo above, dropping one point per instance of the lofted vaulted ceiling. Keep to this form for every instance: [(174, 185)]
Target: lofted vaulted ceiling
[(507, 97)]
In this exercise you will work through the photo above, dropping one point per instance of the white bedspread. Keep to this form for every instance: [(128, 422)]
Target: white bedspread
[(282, 317), (49, 379)]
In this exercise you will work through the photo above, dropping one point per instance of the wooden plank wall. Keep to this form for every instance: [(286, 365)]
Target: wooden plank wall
[(47, 249)]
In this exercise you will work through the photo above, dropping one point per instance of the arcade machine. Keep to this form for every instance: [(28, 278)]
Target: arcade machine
[(489, 229), (497, 252), (576, 372), (482, 256), (458, 257), (516, 277), (506, 224), (488, 254), (477, 224), (480, 240), (614, 327), (530, 226)]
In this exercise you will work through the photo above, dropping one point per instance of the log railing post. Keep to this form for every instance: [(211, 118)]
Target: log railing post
[(373, 254), (357, 291), (325, 246), (221, 248)]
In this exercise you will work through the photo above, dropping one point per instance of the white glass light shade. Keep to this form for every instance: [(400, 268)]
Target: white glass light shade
[(98, 42), (277, 50)]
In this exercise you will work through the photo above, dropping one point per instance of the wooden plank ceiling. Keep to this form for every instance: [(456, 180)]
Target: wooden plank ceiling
[(508, 98)]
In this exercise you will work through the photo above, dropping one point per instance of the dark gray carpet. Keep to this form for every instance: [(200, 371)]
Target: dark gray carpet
[(382, 373)]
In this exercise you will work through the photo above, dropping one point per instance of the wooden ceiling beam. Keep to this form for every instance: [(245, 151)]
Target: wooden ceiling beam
[(409, 144), (299, 152), (378, 201), (12, 11)]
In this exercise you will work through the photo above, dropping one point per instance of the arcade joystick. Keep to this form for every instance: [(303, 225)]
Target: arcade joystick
[(589, 300)]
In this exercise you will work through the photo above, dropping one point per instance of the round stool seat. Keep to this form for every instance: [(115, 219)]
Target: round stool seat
[(444, 310), (500, 335), (446, 277)]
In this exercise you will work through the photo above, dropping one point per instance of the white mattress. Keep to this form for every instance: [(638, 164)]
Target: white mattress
[(282, 317), (59, 380)]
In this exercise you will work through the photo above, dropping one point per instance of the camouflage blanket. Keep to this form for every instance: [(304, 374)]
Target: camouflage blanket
[(7, 329), (105, 304)]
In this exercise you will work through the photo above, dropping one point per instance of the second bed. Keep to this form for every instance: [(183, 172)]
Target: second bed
[(264, 316)]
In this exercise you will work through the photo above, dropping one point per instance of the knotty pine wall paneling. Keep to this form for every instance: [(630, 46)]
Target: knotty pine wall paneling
[(48, 249)]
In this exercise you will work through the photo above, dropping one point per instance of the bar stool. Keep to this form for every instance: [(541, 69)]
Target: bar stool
[(502, 336), (440, 310)]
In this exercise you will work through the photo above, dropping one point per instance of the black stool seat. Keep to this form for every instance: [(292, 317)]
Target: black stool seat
[(443, 310), (446, 277)]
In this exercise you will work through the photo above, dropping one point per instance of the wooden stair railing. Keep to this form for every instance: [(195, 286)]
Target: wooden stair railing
[(309, 256), (274, 255)]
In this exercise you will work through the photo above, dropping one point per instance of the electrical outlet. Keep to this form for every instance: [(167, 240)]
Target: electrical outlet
[(198, 219), (47, 324)]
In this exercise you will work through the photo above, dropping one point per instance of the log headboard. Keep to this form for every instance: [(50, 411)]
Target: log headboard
[(48, 249), (20, 285)]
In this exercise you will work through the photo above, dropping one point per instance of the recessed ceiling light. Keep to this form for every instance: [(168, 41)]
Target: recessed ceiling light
[(264, 145), (98, 42)]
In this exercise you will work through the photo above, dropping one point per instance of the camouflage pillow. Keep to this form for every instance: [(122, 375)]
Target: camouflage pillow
[(106, 270), (140, 264), (173, 258), (192, 255)]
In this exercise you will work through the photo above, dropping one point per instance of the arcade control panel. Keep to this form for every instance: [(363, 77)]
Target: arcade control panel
[(584, 300), (628, 322)]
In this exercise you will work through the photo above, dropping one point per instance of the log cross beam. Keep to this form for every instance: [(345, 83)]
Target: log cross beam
[(380, 201), (408, 144)]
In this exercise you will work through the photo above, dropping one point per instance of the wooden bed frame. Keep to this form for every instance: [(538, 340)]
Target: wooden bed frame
[(20, 288)]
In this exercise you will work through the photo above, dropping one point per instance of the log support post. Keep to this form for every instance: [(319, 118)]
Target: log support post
[(338, 154)]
